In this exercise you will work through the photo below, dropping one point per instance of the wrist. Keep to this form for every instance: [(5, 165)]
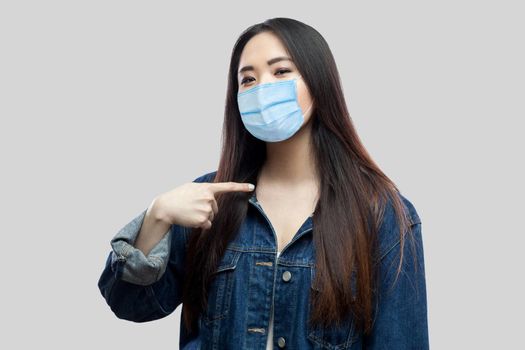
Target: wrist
[(158, 211)]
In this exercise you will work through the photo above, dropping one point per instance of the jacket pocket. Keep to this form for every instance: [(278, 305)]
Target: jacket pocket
[(334, 338), (220, 288)]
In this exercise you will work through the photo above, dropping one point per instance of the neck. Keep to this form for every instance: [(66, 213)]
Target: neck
[(291, 162)]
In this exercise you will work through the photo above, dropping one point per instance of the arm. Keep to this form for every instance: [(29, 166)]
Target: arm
[(400, 320), (143, 288), (136, 267), (154, 228), (139, 288)]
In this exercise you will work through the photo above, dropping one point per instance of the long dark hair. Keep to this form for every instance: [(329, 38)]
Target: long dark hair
[(354, 192)]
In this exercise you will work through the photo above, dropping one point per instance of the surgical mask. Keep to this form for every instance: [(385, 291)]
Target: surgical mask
[(271, 111)]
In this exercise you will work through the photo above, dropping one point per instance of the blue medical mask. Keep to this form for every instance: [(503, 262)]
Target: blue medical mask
[(271, 111)]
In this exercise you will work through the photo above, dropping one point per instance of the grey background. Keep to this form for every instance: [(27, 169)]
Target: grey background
[(106, 104)]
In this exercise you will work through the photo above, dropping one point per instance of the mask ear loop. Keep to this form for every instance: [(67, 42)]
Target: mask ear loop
[(311, 104)]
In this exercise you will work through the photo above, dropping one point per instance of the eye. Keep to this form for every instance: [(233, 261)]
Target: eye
[(283, 70), (244, 80), (280, 71)]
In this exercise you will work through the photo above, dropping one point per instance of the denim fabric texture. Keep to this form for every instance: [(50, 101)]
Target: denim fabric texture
[(251, 282)]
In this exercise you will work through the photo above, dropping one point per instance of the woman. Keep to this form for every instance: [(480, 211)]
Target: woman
[(314, 257)]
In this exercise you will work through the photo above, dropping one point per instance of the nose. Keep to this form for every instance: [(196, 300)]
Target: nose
[(267, 78)]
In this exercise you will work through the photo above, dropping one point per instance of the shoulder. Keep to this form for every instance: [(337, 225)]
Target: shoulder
[(206, 177), (411, 210), (389, 228)]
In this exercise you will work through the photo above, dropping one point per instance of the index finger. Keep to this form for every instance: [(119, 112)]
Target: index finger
[(231, 186)]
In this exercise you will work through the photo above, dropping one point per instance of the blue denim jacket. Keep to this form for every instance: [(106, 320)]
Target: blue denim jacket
[(251, 282)]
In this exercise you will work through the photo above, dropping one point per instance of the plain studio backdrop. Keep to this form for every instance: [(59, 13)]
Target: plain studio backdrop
[(106, 104)]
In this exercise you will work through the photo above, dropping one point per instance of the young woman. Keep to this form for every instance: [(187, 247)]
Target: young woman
[(325, 253)]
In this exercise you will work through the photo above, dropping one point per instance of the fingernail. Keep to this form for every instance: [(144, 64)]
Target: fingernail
[(251, 187)]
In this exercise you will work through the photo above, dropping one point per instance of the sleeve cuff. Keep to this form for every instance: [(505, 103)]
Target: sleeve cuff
[(130, 263)]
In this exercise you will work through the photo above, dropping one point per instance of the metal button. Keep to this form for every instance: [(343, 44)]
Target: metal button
[(287, 275), (281, 342)]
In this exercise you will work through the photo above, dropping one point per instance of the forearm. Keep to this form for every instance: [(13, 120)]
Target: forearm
[(153, 229)]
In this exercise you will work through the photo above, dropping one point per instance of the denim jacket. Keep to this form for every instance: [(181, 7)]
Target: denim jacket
[(251, 283)]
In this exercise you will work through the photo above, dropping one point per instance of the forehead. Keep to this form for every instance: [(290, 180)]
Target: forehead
[(261, 48)]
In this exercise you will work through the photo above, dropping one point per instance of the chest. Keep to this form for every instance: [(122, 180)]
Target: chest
[(287, 212)]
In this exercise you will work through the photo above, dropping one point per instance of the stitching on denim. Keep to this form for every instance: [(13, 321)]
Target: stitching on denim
[(156, 300), (293, 264), (388, 250), (157, 264), (253, 250), (344, 345), (127, 248), (226, 291)]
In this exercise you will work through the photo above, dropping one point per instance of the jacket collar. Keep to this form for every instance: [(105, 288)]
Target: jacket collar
[(305, 227)]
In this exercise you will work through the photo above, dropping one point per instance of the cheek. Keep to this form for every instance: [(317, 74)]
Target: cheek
[(304, 99)]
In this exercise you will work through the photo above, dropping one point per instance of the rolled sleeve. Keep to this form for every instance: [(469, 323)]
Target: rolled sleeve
[(130, 263), (142, 288)]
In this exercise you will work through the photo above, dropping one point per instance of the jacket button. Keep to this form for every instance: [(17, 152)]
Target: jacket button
[(281, 342), (287, 275)]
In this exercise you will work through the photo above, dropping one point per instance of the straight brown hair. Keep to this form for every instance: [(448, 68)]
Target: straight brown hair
[(354, 192)]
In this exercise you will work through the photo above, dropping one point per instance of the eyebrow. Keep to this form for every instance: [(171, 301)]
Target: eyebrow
[(270, 62)]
